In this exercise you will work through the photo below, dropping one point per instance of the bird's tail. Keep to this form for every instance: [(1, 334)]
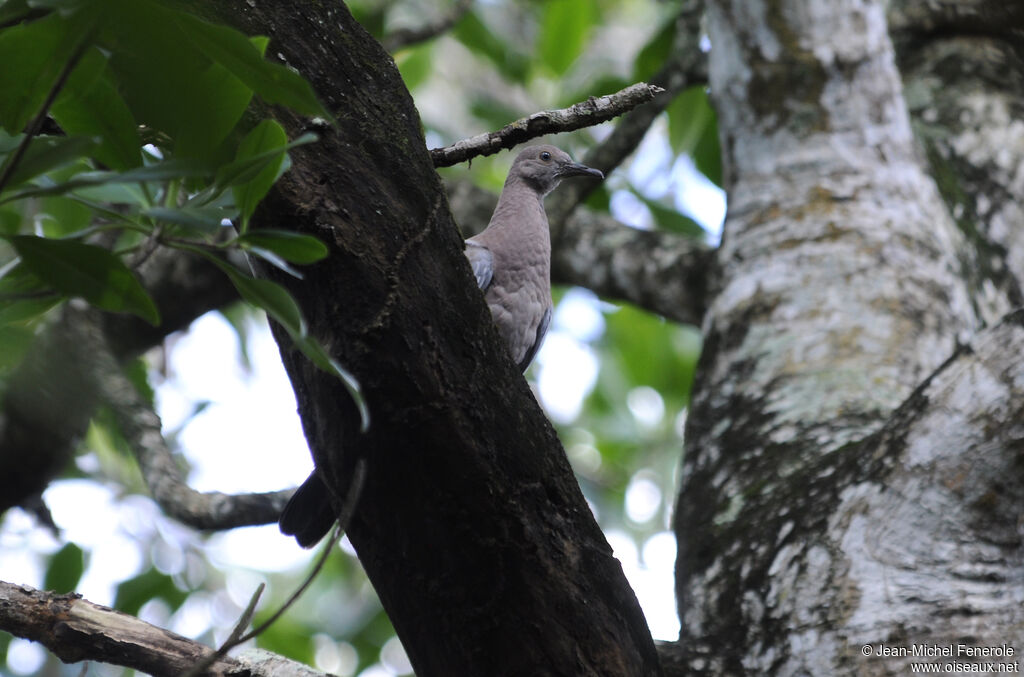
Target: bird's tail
[(309, 514)]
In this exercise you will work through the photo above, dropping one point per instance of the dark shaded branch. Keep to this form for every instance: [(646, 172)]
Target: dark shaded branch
[(979, 17), (593, 111), (673, 659), (74, 630), (661, 272), (140, 426), (183, 287), (50, 398), (410, 36), (53, 395)]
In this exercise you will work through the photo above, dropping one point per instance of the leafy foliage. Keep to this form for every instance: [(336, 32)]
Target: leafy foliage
[(65, 570), (102, 70)]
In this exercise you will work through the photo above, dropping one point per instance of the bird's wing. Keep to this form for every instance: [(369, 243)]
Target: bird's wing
[(542, 329), (482, 262)]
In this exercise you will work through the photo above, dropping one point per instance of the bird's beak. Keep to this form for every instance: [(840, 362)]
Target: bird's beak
[(576, 169)]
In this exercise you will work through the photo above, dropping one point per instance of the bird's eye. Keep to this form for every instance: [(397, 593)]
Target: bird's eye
[(545, 156)]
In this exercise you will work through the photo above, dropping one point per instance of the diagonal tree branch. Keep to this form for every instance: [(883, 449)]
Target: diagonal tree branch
[(686, 66), (48, 400), (141, 427), (75, 629), (663, 273), (593, 111)]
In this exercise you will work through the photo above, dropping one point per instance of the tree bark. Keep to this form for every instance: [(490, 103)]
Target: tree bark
[(844, 477), (471, 525), (76, 630)]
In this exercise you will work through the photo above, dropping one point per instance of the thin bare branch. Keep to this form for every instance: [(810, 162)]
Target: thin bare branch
[(236, 638), (685, 67), (354, 492), (593, 111), (407, 37), (141, 427)]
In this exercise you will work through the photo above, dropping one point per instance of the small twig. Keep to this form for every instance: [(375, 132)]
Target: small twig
[(27, 295), (37, 122), (246, 618), (147, 248), (236, 638), (354, 492), (232, 640), (405, 37), (593, 111)]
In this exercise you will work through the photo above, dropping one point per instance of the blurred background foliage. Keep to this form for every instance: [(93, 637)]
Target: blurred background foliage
[(615, 379)]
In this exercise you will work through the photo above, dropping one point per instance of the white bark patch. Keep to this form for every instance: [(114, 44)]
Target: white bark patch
[(940, 539), (839, 258)]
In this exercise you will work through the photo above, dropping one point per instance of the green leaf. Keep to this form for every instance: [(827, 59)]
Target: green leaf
[(65, 569), (312, 349), (265, 294), (233, 50), (14, 342), (32, 55), (137, 371), (10, 221), (167, 83), (565, 27), (247, 168), (272, 298), (91, 105), (688, 117), (149, 585), (708, 154), (78, 269), (693, 129), (205, 220), (653, 55), (23, 297), (474, 34), (222, 99), (655, 353), (415, 64), (22, 310), (175, 168), (112, 194), (274, 260), (290, 246), (669, 219), (45, 153), (61, 216), (267, 136)]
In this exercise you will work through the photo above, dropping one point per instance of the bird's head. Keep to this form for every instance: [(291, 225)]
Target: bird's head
[(542, 167)]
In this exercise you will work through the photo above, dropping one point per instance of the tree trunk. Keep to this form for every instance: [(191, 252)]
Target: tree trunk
[(846, 475), (471, 525)]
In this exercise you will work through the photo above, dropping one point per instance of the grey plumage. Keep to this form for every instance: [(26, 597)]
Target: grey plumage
[(511, 260)]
